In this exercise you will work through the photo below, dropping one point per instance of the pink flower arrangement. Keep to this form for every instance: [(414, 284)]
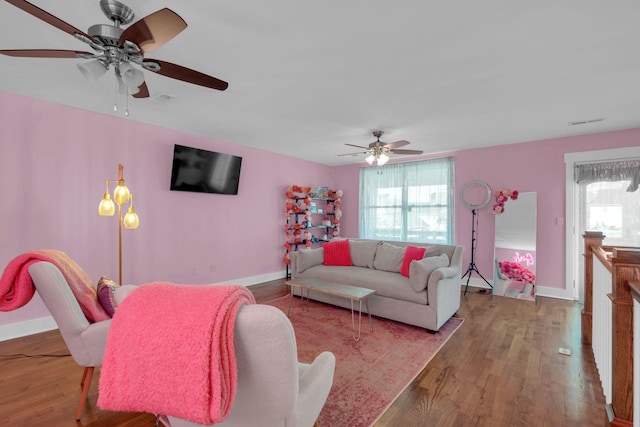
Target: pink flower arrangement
[(503, 196), (516, 271)]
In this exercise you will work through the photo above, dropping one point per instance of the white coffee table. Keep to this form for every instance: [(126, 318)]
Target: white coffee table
[(352, 293)]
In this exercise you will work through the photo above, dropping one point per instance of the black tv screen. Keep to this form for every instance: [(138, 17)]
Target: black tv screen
[(203, 171)]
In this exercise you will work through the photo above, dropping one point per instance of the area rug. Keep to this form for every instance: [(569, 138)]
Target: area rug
[(371, 373)]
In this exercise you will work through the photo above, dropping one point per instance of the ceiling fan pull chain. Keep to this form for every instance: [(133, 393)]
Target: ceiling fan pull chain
[(126, 101), (115, 97)]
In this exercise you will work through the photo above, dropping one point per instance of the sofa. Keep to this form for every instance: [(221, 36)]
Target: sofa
[(417, 284)]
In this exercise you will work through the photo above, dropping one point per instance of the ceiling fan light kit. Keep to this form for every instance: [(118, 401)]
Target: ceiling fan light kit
[(120, 48), (378, 151)]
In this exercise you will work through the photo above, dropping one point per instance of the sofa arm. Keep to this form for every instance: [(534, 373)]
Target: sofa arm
[(443, 273), (305, 258)]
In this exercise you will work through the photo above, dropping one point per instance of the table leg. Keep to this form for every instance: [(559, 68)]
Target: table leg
[(353, 321), (366, 301), (290, 300)]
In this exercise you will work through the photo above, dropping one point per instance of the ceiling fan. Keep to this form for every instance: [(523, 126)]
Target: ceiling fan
[(120, 48), (378, 150)]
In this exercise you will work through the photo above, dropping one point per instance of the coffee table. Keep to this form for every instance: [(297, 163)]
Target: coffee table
[(352, 293)]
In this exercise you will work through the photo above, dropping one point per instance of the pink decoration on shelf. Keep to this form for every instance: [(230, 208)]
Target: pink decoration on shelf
[(299, 202)]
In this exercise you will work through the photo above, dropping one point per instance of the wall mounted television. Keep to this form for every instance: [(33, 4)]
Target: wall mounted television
[(202, 171)]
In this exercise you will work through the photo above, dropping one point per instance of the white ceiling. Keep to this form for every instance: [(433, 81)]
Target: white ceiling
[(307, 77)]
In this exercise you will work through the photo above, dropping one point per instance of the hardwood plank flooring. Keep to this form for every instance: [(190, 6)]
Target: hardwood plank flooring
[(501, 368)]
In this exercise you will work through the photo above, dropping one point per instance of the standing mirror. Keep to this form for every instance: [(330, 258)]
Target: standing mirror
[(514, 272)]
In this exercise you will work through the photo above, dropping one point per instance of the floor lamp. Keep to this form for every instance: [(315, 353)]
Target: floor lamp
[(121, 195)]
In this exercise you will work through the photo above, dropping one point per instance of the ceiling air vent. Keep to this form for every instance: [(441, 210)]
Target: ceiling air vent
[(586, 122)]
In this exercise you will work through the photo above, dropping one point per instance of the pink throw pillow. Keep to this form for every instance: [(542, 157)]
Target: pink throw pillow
[(412, 253), (337, 253)]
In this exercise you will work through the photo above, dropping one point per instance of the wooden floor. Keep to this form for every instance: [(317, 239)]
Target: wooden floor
[(501, 368)]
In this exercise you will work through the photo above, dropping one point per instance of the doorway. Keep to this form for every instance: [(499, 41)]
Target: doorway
[(599, 202)]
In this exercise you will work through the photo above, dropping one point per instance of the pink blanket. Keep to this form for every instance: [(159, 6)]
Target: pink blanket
[(170, 351), (16, 286)]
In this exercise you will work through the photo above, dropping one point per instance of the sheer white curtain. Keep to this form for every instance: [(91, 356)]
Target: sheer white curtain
[(410, 201)]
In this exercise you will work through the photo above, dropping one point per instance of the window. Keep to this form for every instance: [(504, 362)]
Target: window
[(410, 201), (609, 201)]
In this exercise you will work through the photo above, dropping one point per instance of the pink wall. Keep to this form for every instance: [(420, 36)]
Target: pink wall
[(529, 166), (54, 160), (53, 163)]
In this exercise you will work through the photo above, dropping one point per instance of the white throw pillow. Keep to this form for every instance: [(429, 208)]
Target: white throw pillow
[(419, 271)]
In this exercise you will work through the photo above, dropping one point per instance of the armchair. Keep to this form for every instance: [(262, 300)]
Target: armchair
[(85, 341), (274, 389)]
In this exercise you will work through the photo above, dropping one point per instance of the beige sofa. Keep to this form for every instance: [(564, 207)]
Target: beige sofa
[(427, 298)]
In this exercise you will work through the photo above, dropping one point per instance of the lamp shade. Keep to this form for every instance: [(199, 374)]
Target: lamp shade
[(383, 159), (131, 219), (131, 77), (370, 158), (92, 70), (106, 207), (121, 194)]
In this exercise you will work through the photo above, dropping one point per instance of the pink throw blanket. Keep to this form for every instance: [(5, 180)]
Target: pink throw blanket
[(16, 286), (170, 351)]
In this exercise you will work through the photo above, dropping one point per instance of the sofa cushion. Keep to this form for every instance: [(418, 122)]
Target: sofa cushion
[(386, 284), (363, 252), (337, 253), (410, 254), (419, 271), (388, 258), (308, 258)]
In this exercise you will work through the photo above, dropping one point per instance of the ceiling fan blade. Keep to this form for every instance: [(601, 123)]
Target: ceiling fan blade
[(185, 74), (49, 18), (143, 92), (397, 144), (44, 53), (357, 146), (154, 30), (405, 151), (353, 154)]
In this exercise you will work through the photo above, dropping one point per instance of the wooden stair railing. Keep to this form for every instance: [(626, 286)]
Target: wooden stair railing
[(624, 264)]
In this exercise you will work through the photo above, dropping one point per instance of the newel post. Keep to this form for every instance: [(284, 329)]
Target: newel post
[(625, 268), (591, 239)]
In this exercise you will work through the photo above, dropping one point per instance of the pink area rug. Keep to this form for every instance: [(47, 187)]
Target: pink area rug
[(370, 373)]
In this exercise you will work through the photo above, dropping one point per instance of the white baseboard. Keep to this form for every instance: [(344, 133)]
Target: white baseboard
[(254, 280), (475, 282), (542, 291), (28, 327)]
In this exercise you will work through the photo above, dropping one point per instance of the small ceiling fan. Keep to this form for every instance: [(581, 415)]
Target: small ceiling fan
[(120, 48), (378, 151)]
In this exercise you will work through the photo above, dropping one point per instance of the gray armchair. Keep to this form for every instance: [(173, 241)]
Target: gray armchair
[(85, 341), (274, 389)]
